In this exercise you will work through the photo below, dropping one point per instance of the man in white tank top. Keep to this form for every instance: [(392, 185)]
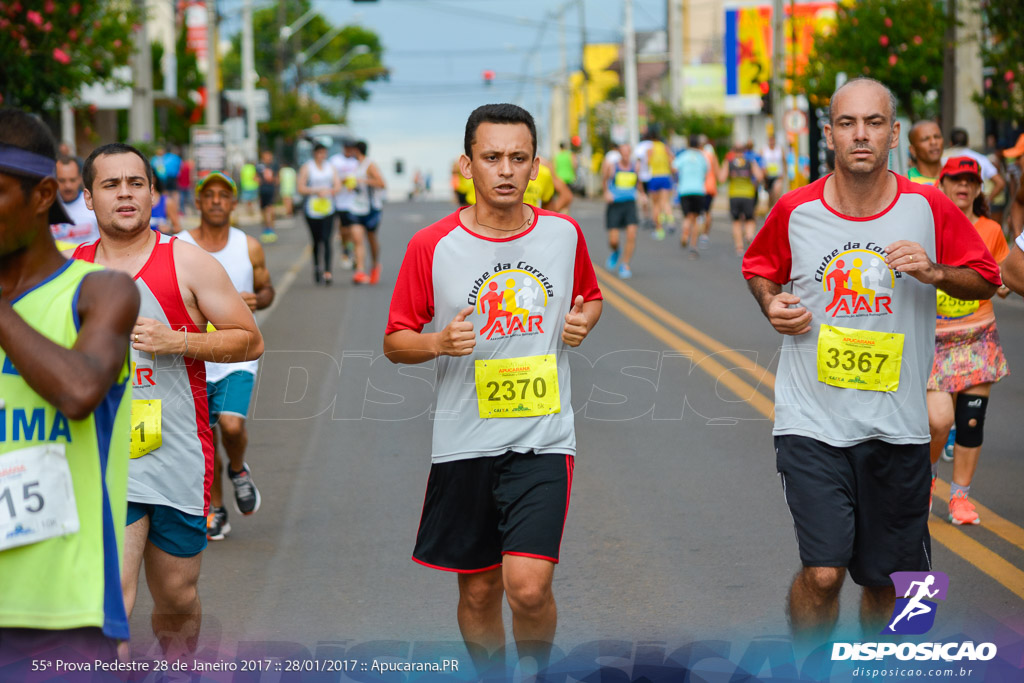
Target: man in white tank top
[(229, 385)]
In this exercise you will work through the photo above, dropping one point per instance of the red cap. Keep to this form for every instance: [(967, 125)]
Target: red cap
[(961, 166)]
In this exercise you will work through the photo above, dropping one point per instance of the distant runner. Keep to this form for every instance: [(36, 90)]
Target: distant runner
[(229, 385)]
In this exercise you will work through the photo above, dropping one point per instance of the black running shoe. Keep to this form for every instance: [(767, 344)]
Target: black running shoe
[(247, 496), (217, 526)]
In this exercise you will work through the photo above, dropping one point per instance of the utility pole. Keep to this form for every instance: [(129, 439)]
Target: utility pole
[(212, 75), (968, 74), (949, 66), (778, 69), (140, 121), (675, 52), (629, 76), (248, 82), (282, 21), (560, 130), (584, 127)]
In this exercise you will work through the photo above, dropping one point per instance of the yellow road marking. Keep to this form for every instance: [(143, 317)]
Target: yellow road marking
[(745, 391), (1000, 526), (761, 374), (628, 300), (981, 557)]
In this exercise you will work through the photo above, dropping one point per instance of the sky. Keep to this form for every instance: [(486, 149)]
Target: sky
[(437, 51)]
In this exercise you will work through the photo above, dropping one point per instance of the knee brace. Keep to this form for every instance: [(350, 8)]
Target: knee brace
[(970, 409)]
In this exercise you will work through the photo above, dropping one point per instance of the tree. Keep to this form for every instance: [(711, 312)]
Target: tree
[(49, 52), (290, 113), (898, 42), (717, 127), (1003, 56), (176, 116)]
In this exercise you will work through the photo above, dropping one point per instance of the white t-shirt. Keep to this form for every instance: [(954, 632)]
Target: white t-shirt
[(235, 259), (643, 170), (85, 228), (318, 177), (988, 169), (346, 167), (772, 161)]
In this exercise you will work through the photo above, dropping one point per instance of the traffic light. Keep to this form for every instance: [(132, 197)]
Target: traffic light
[(488, 77), (766, 98)]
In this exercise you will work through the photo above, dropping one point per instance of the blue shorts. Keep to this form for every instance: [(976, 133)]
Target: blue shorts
[(230, 395), (659, 182), (370, 221), (171, 530)]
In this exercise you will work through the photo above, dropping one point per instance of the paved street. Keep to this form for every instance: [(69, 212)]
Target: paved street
[(677, 532)]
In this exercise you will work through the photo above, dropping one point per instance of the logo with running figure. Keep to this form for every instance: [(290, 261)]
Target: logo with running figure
[(513, 299), (914, 613), (858, 281)]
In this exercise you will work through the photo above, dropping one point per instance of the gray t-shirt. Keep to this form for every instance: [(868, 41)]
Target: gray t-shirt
[(836, 265), (521, 289)]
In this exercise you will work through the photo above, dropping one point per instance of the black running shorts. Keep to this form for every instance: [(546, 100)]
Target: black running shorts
[(742, 208), (344, 217), (619, 215), (864, 507), (266, 196), (477, 510), (692, 203)]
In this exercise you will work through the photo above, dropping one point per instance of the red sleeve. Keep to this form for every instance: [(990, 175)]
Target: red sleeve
[(769, 255), (412, 302), (584, 280), (957, 242)]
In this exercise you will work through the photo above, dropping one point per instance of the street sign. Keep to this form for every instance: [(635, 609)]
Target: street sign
[(795, 122), (208, 149)]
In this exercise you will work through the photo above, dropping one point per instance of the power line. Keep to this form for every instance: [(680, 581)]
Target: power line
[(494, 16)]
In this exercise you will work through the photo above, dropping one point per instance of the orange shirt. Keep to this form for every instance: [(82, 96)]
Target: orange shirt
[(956, 314)]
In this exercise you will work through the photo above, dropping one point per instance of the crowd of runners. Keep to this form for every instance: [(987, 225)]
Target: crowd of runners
[(128, 354)]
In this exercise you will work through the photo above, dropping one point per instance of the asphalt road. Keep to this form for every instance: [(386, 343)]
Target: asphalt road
[(677, 531)]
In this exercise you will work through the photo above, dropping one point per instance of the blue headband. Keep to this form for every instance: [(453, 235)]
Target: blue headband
[(22, 161)]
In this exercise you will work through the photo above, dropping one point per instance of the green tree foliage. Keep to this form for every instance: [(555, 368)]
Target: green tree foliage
[(1003, 55), (290, 112), (718, 128), (50, 49), (898, 42), (175, 117)]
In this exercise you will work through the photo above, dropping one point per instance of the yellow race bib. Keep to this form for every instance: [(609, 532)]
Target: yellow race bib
[(518, 387), (147, 427), (859, 359), (948, 307), (625, 180), (320, 205)]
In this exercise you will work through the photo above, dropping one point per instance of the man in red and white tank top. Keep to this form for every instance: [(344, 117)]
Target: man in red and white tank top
[(229, 385), (183, 289)]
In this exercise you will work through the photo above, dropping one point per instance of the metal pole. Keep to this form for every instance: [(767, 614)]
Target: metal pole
[(629, 75), (248, 83), (584, 128), (675, 48), (212, 76), (559, 135), (140, 122), (778, 70), (67, 125), (949, 68)]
